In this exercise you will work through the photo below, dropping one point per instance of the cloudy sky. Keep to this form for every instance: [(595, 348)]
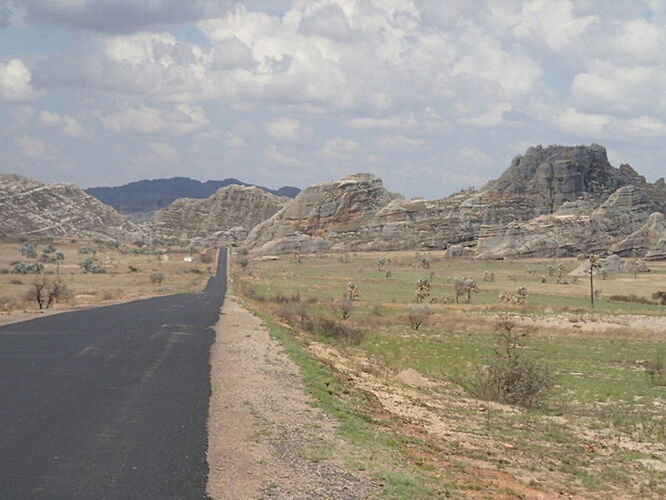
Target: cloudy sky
[(432, 95)]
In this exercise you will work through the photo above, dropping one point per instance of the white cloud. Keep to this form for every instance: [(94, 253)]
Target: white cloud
[(276, 157), (553, 22), (34, 148), (645, 126), (159, 152), (338, 148), (15, 82), (67, 124), (641, 40), (179, 120), (492, 117), (123, 16), (408, 121), (399, 143), (287, 130), (626, 89), (583, 125)]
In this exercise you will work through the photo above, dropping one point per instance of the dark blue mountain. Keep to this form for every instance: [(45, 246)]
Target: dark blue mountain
[(147, 196)]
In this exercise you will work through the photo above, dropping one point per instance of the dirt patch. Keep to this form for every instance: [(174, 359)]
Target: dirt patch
[(266, 440)]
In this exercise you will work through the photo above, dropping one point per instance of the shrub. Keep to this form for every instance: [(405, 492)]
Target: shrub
[(631, 298), (28, 250), (333, 329), (88, 265), (133, 269), (25, 268), (661, 297), (243, 251), (6, 303), (4, 271), (243, 262), (510, 377), (16, 282), (418, 314), (343, 308), (46, 293), (655, 369), (206, 258), (157, 278)]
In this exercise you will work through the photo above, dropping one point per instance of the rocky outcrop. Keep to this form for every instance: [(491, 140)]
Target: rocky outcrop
[(29, 209), (327, 216), (554, 201), (648, 241), (573, 229), (225, 217)]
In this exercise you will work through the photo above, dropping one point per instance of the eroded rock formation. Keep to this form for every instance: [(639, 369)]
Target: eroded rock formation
[(30, 209), (225, 217), (553, 201)]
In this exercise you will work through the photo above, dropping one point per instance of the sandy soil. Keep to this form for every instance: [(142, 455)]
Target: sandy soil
[(265, 438)]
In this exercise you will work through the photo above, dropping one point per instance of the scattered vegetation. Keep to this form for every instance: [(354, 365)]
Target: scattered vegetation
[(157, 278), (511, 377), (46, 293), (418, 314)]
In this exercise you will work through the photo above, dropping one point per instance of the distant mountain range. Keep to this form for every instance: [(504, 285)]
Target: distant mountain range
[(141, 199)]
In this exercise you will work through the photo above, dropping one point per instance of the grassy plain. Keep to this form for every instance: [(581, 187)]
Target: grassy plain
[(603, 430), (128, 273)]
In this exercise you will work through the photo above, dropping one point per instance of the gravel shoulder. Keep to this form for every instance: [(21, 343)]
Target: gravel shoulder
[(266, 440)]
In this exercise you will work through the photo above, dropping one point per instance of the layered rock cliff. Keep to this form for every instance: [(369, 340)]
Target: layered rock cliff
[(225, 217), (29, 209), (552, 201)]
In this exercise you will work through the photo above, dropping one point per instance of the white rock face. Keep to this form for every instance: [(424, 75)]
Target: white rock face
[(552, 202), (225, 217), (29, 209)]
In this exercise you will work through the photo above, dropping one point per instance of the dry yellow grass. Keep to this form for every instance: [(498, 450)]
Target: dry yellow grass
[(118, 283)]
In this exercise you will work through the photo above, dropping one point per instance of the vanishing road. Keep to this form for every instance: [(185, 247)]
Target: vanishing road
[(109, 402)]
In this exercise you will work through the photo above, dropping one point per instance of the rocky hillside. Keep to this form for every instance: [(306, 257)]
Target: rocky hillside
[(140, 200), (225, 217), (551, 201), (30, 209)]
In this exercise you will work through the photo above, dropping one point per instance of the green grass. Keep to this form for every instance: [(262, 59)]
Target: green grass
[(602, 389), (381, 452)]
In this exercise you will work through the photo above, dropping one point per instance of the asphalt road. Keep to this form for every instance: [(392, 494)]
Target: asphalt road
[(109, 402)]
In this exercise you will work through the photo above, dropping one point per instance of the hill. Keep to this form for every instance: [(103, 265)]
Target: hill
[(141, 199), (30, 209), (225, 217), (553, 201)]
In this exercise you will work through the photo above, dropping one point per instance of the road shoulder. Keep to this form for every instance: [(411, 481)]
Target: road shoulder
[(265, 438)]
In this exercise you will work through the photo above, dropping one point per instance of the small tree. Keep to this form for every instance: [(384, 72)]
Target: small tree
[(661, 296), (27, 268), (243, 262), (343, 308), (594, 264), (157, 278), (29, 251), (46, 293), (418, 314), (425, 262), (59, 257), (510, 377), (352, 291), (465, 286), (423, 288)]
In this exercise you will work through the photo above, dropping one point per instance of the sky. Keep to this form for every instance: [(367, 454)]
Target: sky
[(431, 95)]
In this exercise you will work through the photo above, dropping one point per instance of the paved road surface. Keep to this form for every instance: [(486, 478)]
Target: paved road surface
[(109, 402)]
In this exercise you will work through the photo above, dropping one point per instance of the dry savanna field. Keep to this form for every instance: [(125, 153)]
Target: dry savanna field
[(115, 272), (491, 399)]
